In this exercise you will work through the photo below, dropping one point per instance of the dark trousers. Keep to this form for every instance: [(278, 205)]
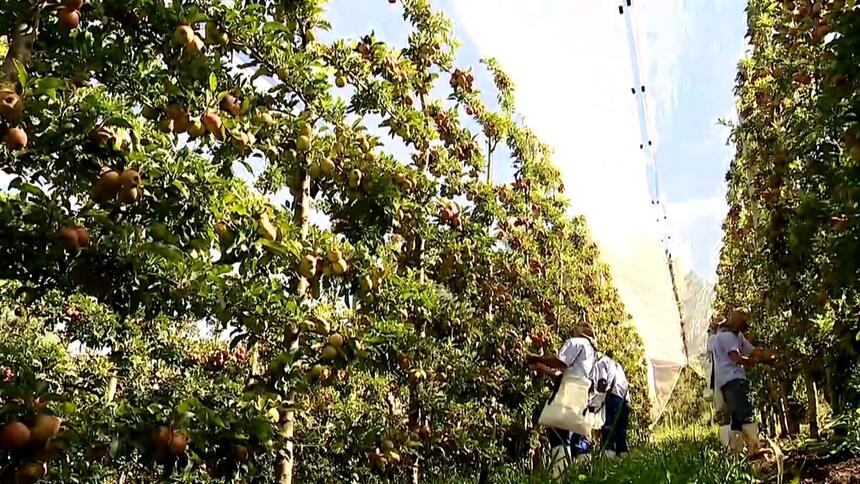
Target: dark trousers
[(736, 394), (614, 432), (578, 444)]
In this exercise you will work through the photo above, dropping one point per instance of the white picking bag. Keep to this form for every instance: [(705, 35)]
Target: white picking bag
[(568, 407), (599, 415)]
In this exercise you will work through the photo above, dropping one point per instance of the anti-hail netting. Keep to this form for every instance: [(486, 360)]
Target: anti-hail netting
[(596, 108)]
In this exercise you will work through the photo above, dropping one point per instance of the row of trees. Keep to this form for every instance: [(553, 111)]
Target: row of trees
[(792, 245), (384, 342)]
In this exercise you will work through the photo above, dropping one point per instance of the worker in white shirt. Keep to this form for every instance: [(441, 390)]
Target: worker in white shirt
[(576, 356), (732, 353), (721, 414), (610, 380)]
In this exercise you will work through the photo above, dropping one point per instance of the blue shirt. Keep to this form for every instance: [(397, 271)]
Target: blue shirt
[(608, 369), (719, 347)]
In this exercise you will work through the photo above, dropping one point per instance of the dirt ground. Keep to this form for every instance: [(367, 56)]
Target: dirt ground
[(829, 470)]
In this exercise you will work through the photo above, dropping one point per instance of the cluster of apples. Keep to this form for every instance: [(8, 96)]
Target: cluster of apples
[(11, 107), (806, 9), (385, 455), (167, 441), (406, 182), (334, 347), (334, 263), (450, 215), (177, 119), (113, 184), (73, 237), (17, 437), (70, 14), (185, 36), (462, 80)]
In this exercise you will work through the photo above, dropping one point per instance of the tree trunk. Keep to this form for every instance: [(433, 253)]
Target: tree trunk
[(110, 391), (301, 216), (484, 478), (415, 473), (765, 420), (783, 418), (21, 43), (812, 406), (490, 149)]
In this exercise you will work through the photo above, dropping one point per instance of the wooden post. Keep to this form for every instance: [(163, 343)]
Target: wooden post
[(812, 406)]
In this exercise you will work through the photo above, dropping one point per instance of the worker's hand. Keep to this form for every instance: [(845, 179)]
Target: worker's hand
[(765, 356), (601, 385)]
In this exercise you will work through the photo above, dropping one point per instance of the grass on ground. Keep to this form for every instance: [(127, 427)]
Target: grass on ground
[(691, 455)]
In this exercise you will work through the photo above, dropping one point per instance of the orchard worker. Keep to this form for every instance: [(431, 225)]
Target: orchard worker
[(732, 353), (721, 416), (611, 381), (576, 357)]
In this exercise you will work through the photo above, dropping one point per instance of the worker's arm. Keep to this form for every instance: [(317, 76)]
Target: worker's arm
[(762, 355), (549, 361), (739, 359), (544, 369)]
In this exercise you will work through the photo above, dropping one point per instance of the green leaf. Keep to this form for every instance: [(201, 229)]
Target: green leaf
[(165, 251), (181, 187), (32, 190), (47, 85), (275, 27), (22, 72), (115, 444), (213, 82), (274, 247)]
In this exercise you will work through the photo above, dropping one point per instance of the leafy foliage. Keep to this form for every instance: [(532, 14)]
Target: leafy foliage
[(387, 336), (792, 239)]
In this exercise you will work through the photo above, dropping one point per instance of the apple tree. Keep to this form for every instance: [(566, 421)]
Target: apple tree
[(359, 311), (791, 241)]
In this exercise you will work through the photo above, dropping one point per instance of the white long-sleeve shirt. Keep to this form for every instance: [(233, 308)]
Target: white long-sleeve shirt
[(616, 380)]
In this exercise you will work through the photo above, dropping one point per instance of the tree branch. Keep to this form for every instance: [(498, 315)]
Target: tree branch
[(21, 42)]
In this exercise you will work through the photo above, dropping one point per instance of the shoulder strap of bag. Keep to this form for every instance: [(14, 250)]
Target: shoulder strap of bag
[(557, 384), (713, 371)]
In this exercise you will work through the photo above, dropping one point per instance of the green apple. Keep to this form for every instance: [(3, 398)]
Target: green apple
[(329, 352), (327, 166), (308, 266), (339, 267), (355, 177)]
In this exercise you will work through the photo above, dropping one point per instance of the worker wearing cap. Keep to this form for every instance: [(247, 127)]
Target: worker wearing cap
[(576, 356), (732, 353), (611, 380)]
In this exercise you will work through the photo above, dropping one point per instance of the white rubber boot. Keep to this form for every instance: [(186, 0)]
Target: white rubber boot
[(559, 457), (750, 435), (609, 454), (736, 443), (726, 436)]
